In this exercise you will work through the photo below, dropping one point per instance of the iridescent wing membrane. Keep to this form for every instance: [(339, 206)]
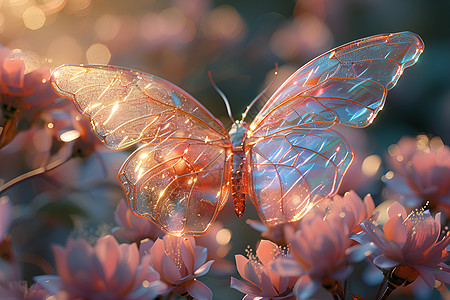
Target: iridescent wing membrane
[(180, 178), (294, 158)]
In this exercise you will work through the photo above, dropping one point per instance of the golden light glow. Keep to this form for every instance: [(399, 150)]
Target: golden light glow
[(33, 18), (98, 54), (64, 50), (389, 175), (422, 143), (69, 136), (224, 22), (107, 27), (223, 236), (436, 144), (2, 22), (371, 165)]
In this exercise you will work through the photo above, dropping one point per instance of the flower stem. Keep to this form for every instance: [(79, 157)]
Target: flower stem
[(381, 287), (335, 288), (34, 173), (389, 289)]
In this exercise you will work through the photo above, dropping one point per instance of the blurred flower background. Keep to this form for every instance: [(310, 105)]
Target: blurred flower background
[(73, 191)]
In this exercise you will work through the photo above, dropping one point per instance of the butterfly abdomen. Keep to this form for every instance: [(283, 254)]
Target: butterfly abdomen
[(239, 191), (239, 182)]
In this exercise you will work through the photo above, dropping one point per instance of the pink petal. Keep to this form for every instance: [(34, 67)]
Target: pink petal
[(395, 209), (374, 234), (369, 204), (395, 230), (13, 72), (62, 267), (34, 79), (244, 287), (107, 251), (266, 282), (385, 262), (203, 269), (81, 259), (169, 269), (201, 255), (145, 247), (442, 276), (157, 253), (241, 262), (199, 290), (426, 275), (52, 283), (266, 251), (187, 255), (251, 274), (359, 252), (306, 287), (287, 266), (342, 273), (258, 226)]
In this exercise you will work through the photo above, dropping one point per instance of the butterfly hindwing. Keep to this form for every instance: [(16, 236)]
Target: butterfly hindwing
[(291, 170), (126, 107), (180, 184)]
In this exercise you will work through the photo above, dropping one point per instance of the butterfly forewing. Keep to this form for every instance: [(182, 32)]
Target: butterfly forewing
[(290, 171), (126, 107), (346, 85), (181, 184)]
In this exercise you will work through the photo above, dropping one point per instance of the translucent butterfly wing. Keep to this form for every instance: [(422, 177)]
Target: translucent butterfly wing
[(346, 85), (126, 107), (291, 170), (180, 178), (180, 184)]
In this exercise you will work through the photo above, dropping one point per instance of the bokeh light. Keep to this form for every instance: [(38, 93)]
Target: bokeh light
[(371, 164), (98, 54), (224, 22), (33, 18), (65, 50)]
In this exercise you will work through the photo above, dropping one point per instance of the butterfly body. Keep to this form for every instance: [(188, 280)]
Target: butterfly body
[(286, 160), (238, 134)]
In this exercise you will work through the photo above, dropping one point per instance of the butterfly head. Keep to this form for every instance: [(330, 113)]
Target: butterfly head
[(238, 133)]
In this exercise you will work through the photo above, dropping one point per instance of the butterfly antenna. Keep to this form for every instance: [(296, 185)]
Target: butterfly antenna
[(227, 104), (260, 94)]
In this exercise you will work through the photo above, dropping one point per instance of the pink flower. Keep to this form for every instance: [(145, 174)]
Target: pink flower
[(132, 228), (409, 246), (421, 172), (5, 216), (106, 271), (351, 209), (320, 254), (17, 290), (24, 93), (179, 262), (263, 283)]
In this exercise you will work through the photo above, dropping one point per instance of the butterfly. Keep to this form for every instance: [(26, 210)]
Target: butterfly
[(286, 160)]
